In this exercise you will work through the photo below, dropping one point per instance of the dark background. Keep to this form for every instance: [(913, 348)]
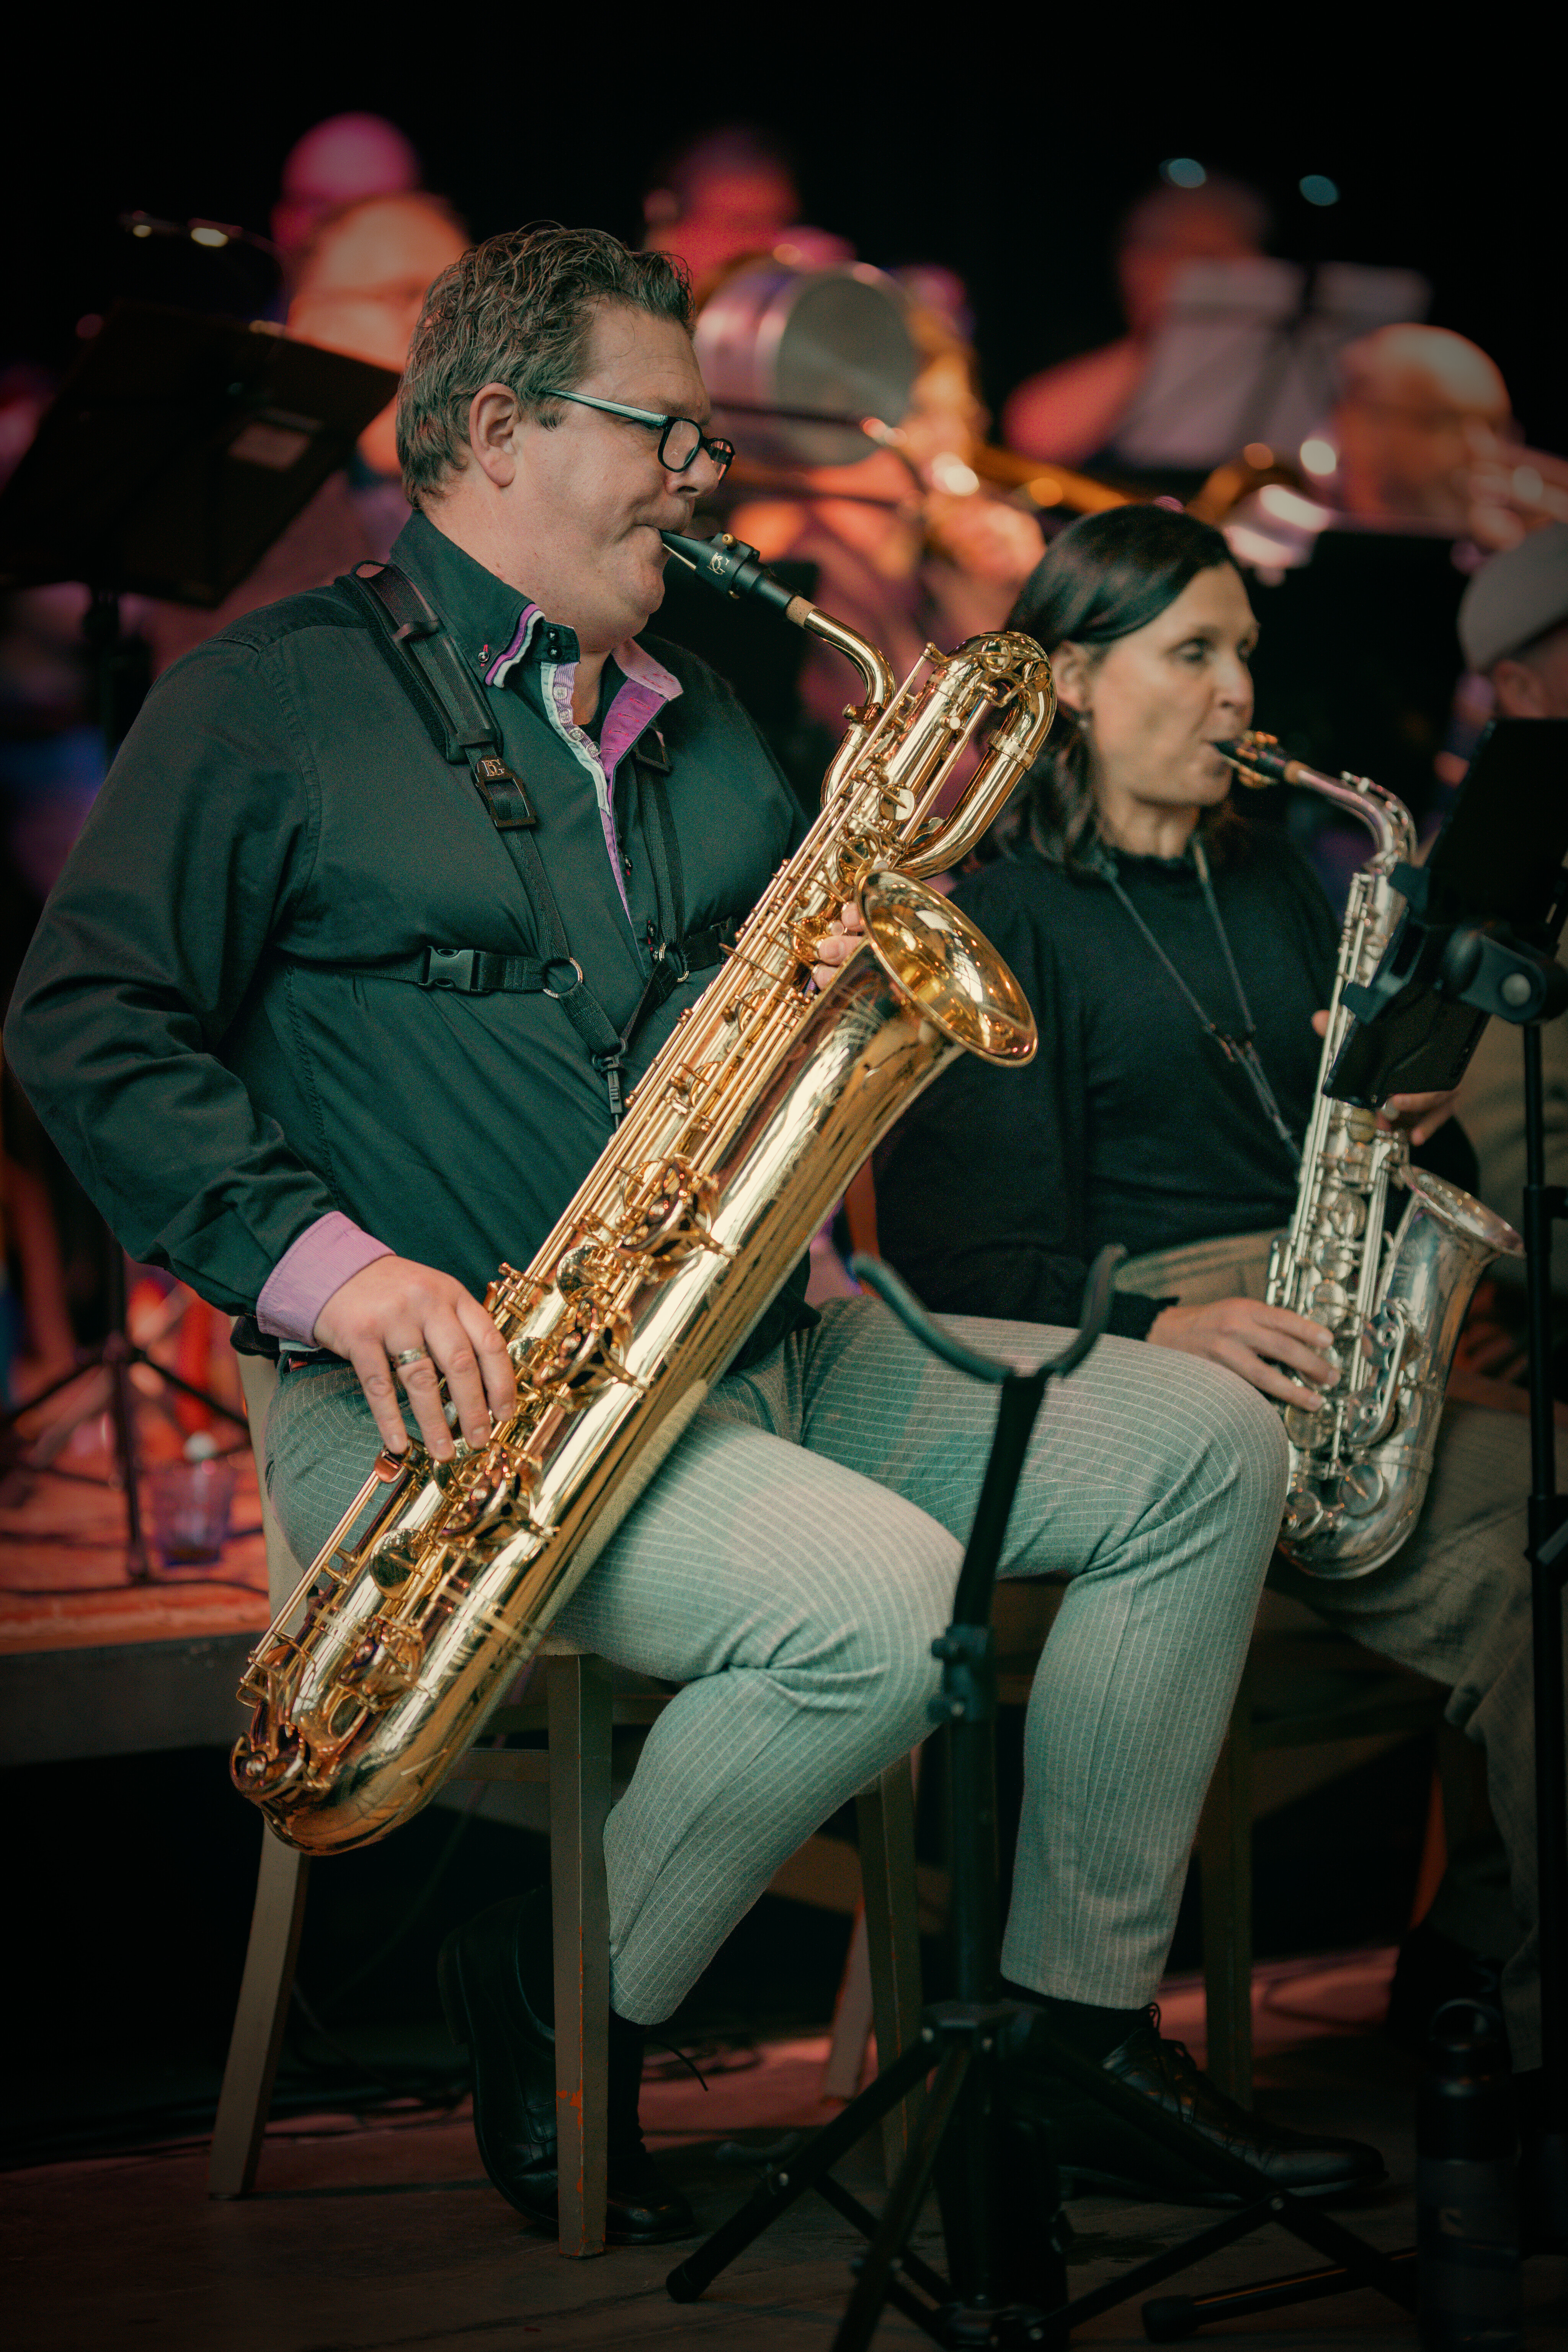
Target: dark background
[(1007, 162)]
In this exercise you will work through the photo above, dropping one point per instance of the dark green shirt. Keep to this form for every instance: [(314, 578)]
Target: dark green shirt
[(194, 1023)]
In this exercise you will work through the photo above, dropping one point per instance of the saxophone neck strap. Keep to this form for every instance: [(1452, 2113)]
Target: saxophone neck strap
[(440, 684), (1242, 1050), (484, 971)]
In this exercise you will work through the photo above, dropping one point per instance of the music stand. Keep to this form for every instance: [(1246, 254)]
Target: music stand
[(176, 450), (1249, 351)]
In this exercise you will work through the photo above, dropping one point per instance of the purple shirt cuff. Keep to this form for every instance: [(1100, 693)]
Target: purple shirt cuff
[(308, 1273)]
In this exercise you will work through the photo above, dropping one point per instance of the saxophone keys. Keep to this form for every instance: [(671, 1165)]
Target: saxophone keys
[(265, 1766), (1303, 1515), (855, 858), (498, 1493), (1342, 1213), (1303, 1427), (667, 1209), (585, 1268), (1330, 1304), (582, 1355), (1360, 1489), (386, 1661)]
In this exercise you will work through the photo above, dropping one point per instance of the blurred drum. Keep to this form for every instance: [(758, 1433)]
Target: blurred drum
[(780, 346)]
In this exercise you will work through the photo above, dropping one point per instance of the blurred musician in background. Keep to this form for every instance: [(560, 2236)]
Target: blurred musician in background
[(729, 193), (361, 286), (1421, 472), (1513, 626), (1070, 411), (908, 543), (1424, 433), (1176, 957), (337, 163)]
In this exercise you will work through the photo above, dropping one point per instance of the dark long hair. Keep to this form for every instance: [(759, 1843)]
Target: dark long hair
[(1107, 575)]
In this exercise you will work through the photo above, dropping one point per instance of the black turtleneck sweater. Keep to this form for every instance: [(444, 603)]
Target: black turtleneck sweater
[(1130, 1125)]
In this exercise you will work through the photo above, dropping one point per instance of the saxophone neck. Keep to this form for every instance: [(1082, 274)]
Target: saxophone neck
[(731, 568), (1259, 759), (904, 741), (876, 675)]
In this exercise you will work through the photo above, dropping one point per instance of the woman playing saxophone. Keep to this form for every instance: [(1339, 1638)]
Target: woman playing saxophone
[(1179, 961)]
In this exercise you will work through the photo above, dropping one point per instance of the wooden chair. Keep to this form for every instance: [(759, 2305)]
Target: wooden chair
[(1306, 1689), (579, 1712)]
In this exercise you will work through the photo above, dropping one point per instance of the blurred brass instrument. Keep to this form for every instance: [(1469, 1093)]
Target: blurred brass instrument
[(750, 1121), (1394, 1301), (1046, 486)]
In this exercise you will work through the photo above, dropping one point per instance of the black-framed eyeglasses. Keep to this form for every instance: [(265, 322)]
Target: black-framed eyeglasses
[(680, 438)]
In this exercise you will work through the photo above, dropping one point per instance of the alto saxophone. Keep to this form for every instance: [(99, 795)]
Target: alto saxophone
[(750, 1121), (1394, 1301)]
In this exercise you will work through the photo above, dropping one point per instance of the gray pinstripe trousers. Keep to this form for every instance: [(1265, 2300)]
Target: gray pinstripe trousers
[(1454, 1602), (791, 1565)]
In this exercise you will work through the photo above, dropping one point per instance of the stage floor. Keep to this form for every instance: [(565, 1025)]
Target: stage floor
[(366, 2240), (366, 2237)]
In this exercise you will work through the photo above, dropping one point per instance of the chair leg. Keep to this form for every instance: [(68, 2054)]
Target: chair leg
[(258, 2037), (886, 1817), (580, 1719), (1225, 1866), (852, 2024)]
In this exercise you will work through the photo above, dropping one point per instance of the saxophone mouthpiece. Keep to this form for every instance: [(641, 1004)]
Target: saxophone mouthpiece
[(1259, 760), (731, 568)]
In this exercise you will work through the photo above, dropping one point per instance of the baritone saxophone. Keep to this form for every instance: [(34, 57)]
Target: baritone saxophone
[(1394, 1299), (748, 1124)]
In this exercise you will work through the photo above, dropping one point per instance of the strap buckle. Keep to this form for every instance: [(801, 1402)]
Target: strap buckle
[(451, 968), (561, 963), (673, 953), (502, 793), (609, 1066)]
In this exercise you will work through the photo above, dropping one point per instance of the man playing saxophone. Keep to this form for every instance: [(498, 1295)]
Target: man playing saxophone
[(318, 1035), (1177, 961)]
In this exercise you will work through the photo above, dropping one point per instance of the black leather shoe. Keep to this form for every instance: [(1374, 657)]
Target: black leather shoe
[(1097, 2151), (513, 2049)]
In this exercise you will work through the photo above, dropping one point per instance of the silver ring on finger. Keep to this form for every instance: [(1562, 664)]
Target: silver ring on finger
[(412, 1356)]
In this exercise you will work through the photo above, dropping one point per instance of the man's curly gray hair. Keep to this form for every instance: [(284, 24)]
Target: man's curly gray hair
[(517, 309)]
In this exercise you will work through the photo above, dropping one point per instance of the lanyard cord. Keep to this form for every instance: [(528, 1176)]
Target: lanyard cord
[(1241, 1050)]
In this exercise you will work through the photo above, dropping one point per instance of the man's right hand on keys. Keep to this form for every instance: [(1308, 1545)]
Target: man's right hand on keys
[(389, 1308)]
